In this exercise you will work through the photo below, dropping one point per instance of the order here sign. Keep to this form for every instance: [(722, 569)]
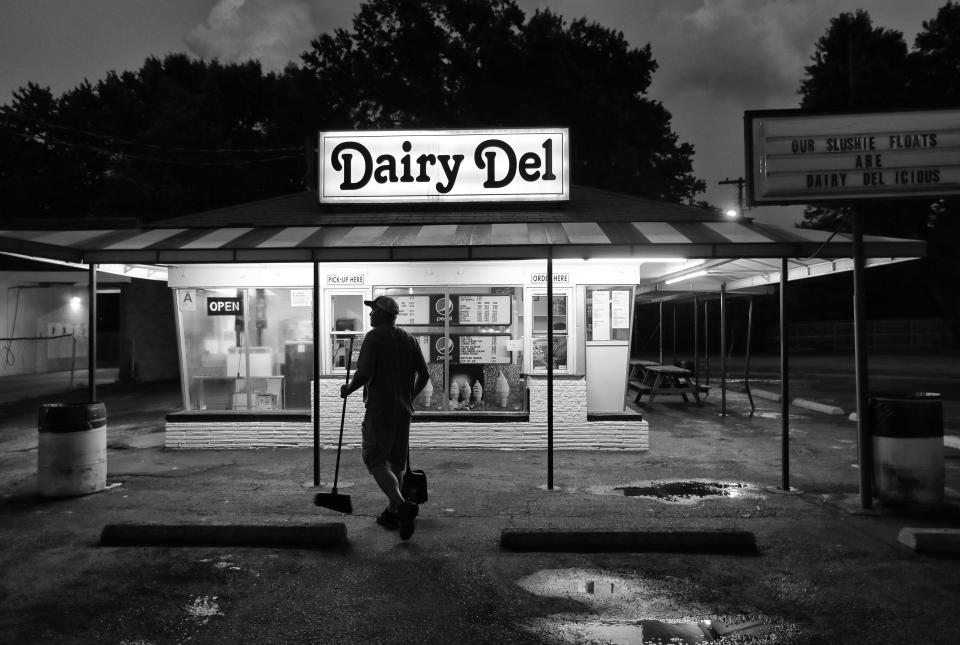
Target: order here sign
[(444, 166), (797, 158)]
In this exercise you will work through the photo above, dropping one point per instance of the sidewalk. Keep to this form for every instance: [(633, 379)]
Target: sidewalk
[(818, 551)]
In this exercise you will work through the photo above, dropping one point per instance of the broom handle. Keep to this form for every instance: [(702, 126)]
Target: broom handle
[(343, 415)]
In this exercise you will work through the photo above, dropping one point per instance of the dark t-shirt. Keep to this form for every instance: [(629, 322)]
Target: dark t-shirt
[(389, 363)]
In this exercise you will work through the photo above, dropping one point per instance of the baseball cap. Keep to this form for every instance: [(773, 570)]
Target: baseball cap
[(386, 303)]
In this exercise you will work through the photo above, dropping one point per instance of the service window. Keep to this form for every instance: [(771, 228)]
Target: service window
[(471, 339), (562, 322), (348, 318)]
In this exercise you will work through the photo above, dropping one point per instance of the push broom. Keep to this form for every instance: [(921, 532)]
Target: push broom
[(333, 500)]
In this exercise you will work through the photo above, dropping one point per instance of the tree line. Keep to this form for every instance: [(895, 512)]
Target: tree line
[(182, 135), (858, 66)]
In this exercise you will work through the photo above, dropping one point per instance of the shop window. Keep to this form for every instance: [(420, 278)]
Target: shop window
[(346, 315), (471, 340), (609, 312), (246, 349), (561, 331)]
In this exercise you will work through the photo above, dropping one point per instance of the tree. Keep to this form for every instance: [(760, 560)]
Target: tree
[(935, 60), (862, 68), (179, 135), (473, 63)]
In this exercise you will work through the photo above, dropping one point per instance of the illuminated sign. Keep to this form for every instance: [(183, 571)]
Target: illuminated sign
[(368, 167), (798, 158), (224, 306)]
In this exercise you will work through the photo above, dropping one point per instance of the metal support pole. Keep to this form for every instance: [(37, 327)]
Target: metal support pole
[(673, 313), (746, 377), (92, 334), (660, 327), (784, 381), (723, 349), (864, 432), (550, 371), (316, 374), (696, 344), (706, 337)]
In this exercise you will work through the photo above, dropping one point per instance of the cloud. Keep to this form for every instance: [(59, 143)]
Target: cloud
[(748, 49), (271, 31)]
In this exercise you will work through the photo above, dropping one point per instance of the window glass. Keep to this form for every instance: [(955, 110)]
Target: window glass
[(347, 313), (560, 331), (471, 340), (608, 313), (247, 349)]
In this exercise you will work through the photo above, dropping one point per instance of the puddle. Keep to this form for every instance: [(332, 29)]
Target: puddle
[(679, 491), (630, 609)]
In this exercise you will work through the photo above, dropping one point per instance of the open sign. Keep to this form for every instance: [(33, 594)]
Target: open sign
[(224, 306)]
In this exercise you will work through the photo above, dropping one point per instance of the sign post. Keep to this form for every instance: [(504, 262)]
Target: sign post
[(796, 157)]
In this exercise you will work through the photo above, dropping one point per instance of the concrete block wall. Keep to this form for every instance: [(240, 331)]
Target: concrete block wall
[(572, 431)]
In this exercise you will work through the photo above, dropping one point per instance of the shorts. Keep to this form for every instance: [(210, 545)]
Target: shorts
[(385, 441)]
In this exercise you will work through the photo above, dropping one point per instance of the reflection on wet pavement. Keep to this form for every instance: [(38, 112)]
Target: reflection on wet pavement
[(628, 609), (680, 491), (677, 490)]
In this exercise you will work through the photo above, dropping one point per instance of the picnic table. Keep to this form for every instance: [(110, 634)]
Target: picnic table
[(660, 380)]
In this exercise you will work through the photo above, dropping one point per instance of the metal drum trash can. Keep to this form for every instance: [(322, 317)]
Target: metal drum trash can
[(907, 447), (72, 449)]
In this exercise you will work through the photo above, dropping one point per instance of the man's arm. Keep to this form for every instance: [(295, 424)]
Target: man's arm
[(423, 376), (365, 364)]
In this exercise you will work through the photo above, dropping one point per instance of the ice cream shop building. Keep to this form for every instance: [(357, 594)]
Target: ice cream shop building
[(520, 288)]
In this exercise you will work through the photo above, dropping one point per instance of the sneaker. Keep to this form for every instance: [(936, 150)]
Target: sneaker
[(388, 519), (406, 514)]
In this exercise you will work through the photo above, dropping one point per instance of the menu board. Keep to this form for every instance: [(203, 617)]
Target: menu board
[(484, 349), (483, 310), (414, 310), (423, 310), (464, 349), (621, 309), (435, 309), (601, 315)]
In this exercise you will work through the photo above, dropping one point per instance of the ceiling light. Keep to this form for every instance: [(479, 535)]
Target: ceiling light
[(689, 276)]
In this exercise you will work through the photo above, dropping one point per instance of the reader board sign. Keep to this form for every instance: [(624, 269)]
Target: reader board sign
[(797, 158), (434, 166), (224, 306)]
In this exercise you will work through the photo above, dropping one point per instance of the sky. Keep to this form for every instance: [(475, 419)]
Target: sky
[(717, 58)]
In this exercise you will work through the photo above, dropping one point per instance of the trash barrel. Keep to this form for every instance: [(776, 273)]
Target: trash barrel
[(72, 449), (908, 457)]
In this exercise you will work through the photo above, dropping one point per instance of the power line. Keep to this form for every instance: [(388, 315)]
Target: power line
[(119, 140), (42, 139)]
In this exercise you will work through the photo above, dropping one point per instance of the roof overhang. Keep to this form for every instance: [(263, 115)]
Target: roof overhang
[(595, 224)]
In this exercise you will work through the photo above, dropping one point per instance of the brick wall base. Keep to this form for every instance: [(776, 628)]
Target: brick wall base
[(571, 429)]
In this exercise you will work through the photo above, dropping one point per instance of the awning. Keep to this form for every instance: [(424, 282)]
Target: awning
[(595, 224)]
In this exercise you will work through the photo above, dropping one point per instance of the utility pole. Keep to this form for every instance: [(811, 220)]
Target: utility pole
[(739, 182)]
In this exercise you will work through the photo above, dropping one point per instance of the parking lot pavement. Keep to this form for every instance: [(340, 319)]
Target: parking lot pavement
[(826, 570)]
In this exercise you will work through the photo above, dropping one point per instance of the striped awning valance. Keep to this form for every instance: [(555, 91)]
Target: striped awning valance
[(734, 239)]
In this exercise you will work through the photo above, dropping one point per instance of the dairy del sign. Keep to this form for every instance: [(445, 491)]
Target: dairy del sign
[(444, 166), (796, 158)]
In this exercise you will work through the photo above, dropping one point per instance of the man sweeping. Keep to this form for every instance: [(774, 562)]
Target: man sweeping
[(393, 371)]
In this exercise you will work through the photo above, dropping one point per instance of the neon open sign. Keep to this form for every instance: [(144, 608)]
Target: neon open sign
[(444, 166)]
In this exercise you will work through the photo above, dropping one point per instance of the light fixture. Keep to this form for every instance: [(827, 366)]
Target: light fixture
[(75, 303), (689, 276), (731, 212)]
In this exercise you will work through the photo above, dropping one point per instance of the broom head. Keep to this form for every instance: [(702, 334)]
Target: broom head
[(334, 501)]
